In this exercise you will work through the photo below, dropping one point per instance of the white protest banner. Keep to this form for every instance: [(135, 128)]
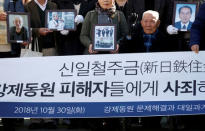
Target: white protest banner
[(141, 84)]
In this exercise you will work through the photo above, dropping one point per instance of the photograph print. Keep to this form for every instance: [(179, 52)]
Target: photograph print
[(184, 15), (104, 37), (18, 27), (61, 19)]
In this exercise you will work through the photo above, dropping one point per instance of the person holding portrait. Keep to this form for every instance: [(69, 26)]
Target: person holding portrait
[(45, 38), (41, 35), (179, 30), (104, 13), (18, 31), (185, 13), (68, 41), (9, 49)]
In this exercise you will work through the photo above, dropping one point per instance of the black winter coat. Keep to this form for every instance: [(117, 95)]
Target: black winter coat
[(68, 44), (164, 7), (86, 6), (136, 45)]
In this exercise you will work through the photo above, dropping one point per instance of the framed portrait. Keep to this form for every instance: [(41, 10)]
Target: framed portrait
[(184, 15), (104, 37), (18, 27), (61, 19)]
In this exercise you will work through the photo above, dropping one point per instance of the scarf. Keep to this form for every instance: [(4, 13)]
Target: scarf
[(110, 12), (148, 39)]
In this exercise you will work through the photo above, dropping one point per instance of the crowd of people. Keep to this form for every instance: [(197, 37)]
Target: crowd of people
[(141, 26)]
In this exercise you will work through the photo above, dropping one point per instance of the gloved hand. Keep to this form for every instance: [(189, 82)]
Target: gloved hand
[(64, 32), (79, 19), (172, 30)]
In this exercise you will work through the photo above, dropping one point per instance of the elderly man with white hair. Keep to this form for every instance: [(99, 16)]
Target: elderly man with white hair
[(18, 31), (148, 37)]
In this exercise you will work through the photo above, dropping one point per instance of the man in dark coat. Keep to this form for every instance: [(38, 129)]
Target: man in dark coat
[(148, 37), (46, 39), (198, 30), (136, 9)]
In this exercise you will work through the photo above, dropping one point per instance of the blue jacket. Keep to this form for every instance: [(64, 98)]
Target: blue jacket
[(198, 28), (18, 7), (178, 25)]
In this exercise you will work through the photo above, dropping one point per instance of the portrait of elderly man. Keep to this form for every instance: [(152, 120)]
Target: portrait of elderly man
[(185, 13), (18, 31), (56, 22)]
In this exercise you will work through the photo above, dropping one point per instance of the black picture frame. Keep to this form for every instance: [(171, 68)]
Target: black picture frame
[(184, 20), (13, 36), (104, 37), (66, 22)]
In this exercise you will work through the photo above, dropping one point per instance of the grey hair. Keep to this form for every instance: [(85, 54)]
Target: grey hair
[(20, 18), (154, 13)]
